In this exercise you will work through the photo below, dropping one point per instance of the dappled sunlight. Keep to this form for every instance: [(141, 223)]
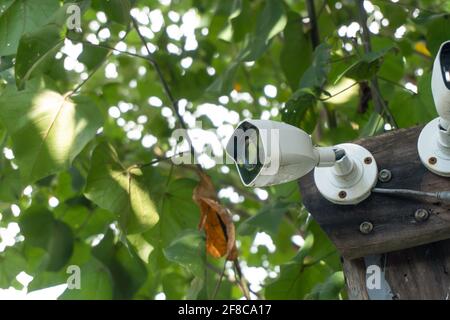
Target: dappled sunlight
[(51, 293), (344, 96), (110, 125), (8, 235)]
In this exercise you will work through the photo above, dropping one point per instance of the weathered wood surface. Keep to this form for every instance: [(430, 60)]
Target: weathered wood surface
[(355, 279), (420, 273), (392, 217)]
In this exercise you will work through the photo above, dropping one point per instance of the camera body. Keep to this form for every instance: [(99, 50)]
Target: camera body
[(434, 141), (440, 84), (270, 152)]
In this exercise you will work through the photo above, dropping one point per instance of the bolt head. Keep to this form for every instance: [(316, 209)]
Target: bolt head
[(432, 160), (384, 175), (368, 160), (342, 194), (421, 215), (366, 227)]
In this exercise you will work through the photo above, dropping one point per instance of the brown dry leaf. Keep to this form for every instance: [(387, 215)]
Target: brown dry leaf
[(215, 220)]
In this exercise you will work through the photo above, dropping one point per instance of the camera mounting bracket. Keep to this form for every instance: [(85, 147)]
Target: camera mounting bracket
[(351, 179), (433, 146)]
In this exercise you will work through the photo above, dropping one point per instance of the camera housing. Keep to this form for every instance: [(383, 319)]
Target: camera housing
[(433, 144), (269, 152)]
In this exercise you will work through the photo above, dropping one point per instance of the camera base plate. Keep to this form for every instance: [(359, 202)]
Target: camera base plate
[(353, 187), (434, 156)]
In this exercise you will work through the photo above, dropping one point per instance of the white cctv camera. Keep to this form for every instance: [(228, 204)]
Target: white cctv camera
[(434, 140), (270, 152)]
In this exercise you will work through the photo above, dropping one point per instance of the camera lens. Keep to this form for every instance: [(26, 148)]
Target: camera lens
[(251, 151), (445, 64), (247, 151)]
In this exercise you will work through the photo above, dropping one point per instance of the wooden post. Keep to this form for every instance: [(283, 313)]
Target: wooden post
[(413, 255)]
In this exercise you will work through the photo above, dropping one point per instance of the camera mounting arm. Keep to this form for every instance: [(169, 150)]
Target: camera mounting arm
[(351, 178)]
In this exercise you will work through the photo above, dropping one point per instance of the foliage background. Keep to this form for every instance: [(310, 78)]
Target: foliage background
[(78, 120)]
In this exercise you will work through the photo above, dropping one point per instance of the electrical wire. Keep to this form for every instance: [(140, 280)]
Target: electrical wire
[(439, 195)]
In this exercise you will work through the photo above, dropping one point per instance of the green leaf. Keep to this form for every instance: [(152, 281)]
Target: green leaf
[(12, 263), (127, 269), (44, 279), (22, 16), (268, 219), (5, 5), (187, 250), (296, 280), (330, 289), (74, 216), (120, 190), (64, 190), (323, 249), (36, 226), (116, 10), (299, 277), (241, 19), (196, 286), (366, 67), (271, 21), (393, 67), (60, 246), (174, 285), (232, 9), (179, 213), (143, 248), (374, 126), (316, 75), (96, 224), (296, 53), (48, 130), (35, 50), (425, 17), (411, 109), (95, 284), (300, 111), (92, 56), (40, 229), (10, 184), (396, 14), (224, 83), (6, 63), (438, 31)]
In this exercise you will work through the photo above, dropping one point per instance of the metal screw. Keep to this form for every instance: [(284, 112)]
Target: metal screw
[(368, 160), (421, 215), (366, 227), (342, 194), (432, 160), (384, 175)]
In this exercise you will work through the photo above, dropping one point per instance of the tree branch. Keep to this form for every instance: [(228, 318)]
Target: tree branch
[(315, 38), (104, 46), (328, 116), (338, 93), (219, 281), (82, 83), (378, 101), (398, 85), (235, 282), (167, 90), (155, 161)]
